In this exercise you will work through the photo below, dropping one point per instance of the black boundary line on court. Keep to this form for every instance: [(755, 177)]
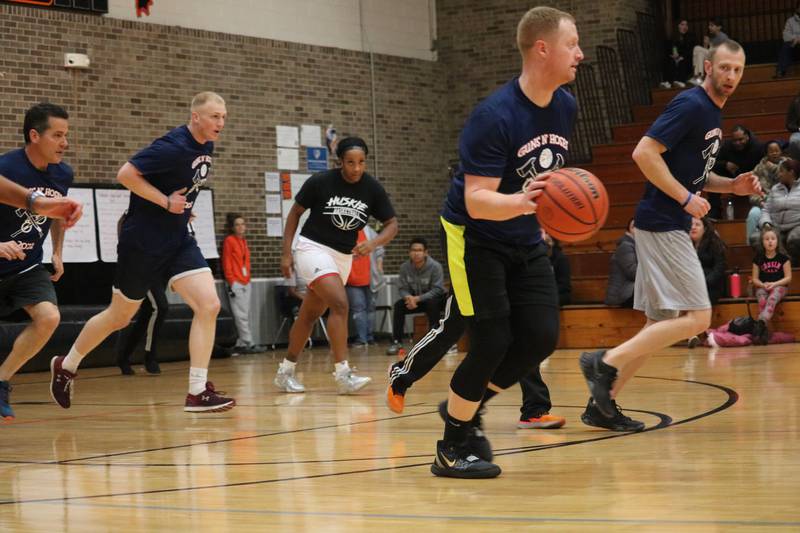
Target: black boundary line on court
[(664, 421), (733, 397)]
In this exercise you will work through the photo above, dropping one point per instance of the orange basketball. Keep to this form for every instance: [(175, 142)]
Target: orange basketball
[(573, 205)]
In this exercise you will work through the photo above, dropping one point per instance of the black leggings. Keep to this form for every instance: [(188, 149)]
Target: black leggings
[(504, 350)]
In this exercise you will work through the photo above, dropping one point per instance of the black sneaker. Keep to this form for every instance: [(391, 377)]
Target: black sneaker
[(476, 440), (125, 366), (458, 461), (150, 364), (600, 379), (619, 422)]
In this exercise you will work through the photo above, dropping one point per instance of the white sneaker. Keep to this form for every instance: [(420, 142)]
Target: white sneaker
[(286, 381), (453, 349), (679, 84), (347, 382), (665, 85), (696, 81)]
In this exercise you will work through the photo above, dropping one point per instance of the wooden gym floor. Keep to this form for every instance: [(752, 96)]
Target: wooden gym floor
[(721, 452)]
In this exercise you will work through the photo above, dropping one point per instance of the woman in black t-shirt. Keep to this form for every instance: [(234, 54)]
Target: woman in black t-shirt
[(772, 274), (340, 200)]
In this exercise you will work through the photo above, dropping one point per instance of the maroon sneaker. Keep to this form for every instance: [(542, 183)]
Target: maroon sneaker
[(208, 401), (61, 383)]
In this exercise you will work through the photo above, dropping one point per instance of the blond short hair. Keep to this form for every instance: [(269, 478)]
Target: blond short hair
[(201, 99), (537, 23), (730, 44)]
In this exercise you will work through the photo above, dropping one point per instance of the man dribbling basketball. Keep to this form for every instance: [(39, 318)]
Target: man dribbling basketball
[(676, 156), (499, 268)]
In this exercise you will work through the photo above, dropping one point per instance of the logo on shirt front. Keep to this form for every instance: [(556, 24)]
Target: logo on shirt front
[(346, 213), (31, 222), (545, 161), (710, 153), (201, 166)]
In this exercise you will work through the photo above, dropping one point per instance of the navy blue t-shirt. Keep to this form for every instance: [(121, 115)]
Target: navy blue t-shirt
[(21, 225), (509, 137), (339, 209), (690, 130), (172, 162)]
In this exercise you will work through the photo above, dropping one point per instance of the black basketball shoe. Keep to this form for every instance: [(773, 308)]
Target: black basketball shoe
[(600, 379), (459, 461), (619, 422), (476, 440)]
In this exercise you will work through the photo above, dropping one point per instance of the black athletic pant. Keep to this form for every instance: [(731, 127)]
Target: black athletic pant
[(432, 309), (425, 354), (147, 323), (514, 300)]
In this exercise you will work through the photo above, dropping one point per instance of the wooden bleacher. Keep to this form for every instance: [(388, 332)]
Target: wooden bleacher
[(760, 103)]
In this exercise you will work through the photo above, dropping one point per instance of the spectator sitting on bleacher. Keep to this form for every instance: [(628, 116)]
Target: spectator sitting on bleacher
[(677, 68), (421, 288), (772, 275), (791, 38), (782, 209), (561, 270), (793, 125), (711, 252), (715, 38), (699, 54), (741, 153), (767, 172), (622, 272)]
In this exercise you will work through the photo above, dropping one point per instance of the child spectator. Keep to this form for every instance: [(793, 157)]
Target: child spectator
[(772, 274), (767, 172)]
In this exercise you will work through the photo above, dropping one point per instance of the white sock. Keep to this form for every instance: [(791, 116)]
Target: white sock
[(72, 360), (341, 367), (287, 366), (197, 380)]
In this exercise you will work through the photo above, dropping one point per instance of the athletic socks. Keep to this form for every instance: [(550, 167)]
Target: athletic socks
[(72, 360), (341, 367), (287, 366), (456, 431), (197, 380)]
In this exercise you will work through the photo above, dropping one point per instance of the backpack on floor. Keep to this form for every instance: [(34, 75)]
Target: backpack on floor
[(743, 325)]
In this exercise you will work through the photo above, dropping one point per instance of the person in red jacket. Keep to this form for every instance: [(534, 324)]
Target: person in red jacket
[(236, 269)]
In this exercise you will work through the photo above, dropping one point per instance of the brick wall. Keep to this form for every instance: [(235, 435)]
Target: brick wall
[(143, 76), (477, 45)]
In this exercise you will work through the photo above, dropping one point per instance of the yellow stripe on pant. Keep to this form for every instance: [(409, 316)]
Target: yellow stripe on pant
[(458, 271)]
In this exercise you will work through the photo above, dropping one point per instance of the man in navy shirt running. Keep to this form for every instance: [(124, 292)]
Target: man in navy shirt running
[(500, 272), (155, 244), (676, 156), (24, 282)]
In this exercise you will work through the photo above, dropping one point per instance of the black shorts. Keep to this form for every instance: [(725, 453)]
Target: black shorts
[(138, 271), (490, 278), (27, 288)]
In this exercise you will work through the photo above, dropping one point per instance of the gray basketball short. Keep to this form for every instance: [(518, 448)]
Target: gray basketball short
[(669, 277)]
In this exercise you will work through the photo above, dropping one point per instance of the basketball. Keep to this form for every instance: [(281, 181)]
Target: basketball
[(573, 205)]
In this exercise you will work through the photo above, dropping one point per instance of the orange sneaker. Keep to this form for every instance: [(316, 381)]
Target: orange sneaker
[(394, 401), (546, 421)]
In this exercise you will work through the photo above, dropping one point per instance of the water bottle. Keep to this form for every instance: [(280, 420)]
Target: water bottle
[(729, 210), (734, 285)]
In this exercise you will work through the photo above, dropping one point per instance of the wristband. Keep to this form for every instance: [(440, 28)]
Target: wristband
[(32, 196), (688, 199), (167, 203)]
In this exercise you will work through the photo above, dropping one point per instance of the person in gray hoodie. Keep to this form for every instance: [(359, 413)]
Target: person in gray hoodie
[(622, 273), (421, 288), (782, 209)]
